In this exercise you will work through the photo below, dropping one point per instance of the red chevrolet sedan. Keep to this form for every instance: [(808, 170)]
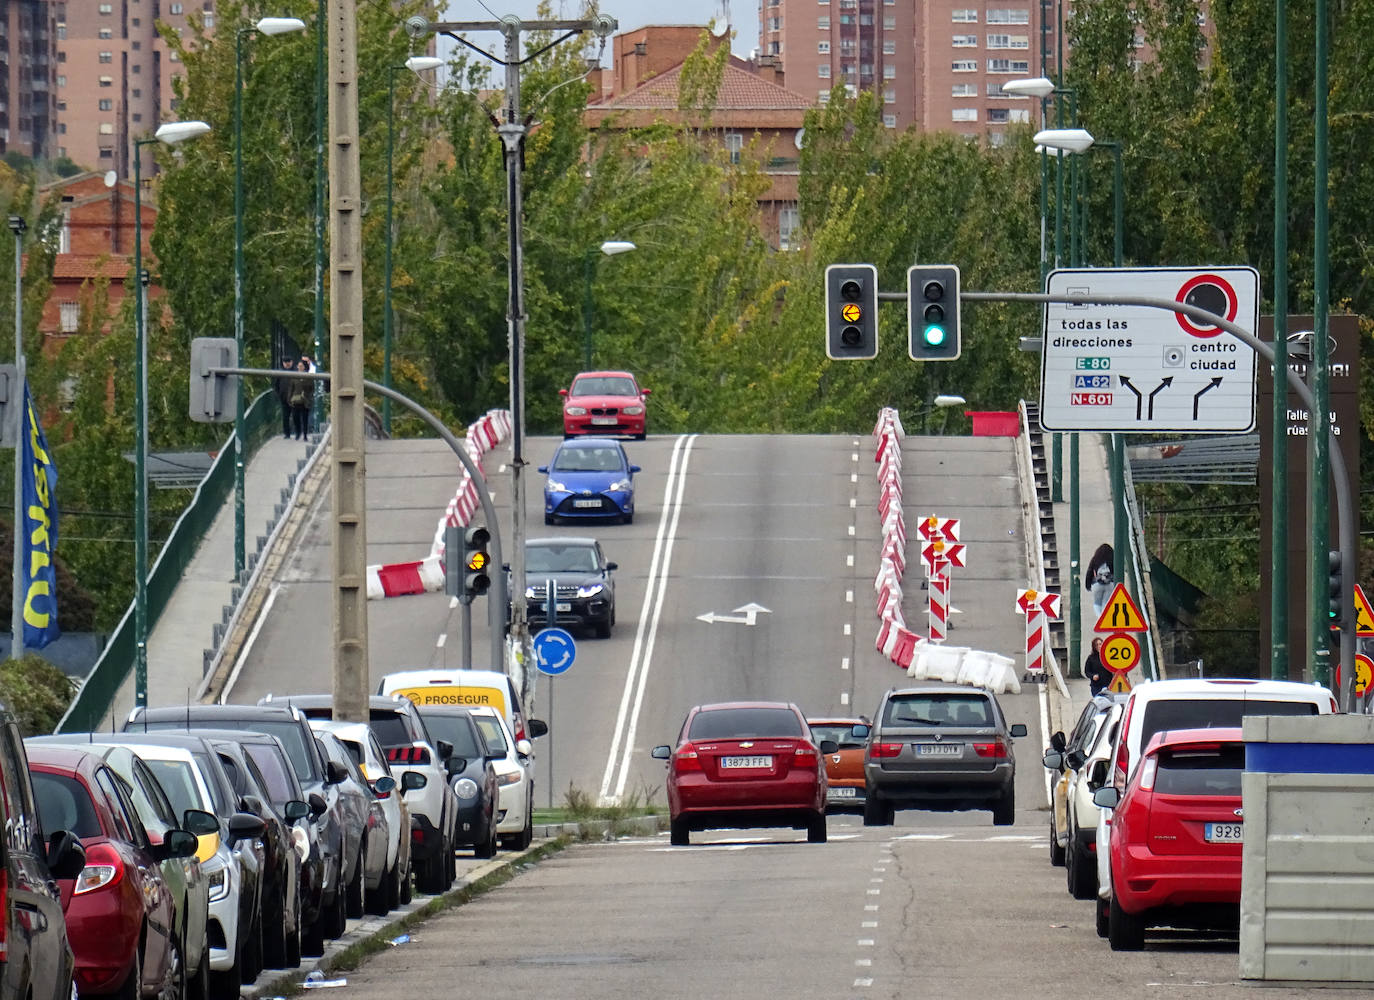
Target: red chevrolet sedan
[(1176, 836), (606, 404), (746, 764), (119, 898)]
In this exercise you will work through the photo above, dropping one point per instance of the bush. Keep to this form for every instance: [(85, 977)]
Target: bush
[(36, 693)]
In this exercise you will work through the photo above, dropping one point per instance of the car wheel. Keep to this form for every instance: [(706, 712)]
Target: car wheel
[(628, 518), (224, 985), (1103, 916), (1082, 872), (312, 940), (1125, 931), (273, 937), (1004, 809), (526, 836), (198, 984), (815, 829), (876, 811), (429, 877), (450, 868), (132, 989), (642, 434), (354, 899), (173, 985), (293, 944), (602, 629), (1057, 853), (678, 835), (487, 848), (550, 519)]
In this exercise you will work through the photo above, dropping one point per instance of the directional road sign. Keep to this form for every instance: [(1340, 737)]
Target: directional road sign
[(1137, 368), (941, 551), (1037, 602), (554, 651), (932, 527)]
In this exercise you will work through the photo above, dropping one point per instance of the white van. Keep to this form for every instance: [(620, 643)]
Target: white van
[(465, 688)]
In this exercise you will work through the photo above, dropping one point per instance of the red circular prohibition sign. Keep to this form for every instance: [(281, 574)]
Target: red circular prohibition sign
[(1190, 287)]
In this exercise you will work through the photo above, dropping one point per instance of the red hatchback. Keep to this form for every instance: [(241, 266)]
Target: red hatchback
[(606, 404), (746, 764), (1176, 836), (119, 898)]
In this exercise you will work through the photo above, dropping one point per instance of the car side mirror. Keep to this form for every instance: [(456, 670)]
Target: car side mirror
[(634, 469), (412, 780), (645, 392), (384, 786), (537, 728), (829, 746), (543, 468), (1054, 760), (334, 772), (456, 765), (1058, 741), (1108, 797), (295, 809), (1018, 730), (860, 731), (200, 822), (661, 753), (245, 826), (524, 747), (563, 393), (66, 855), (177, 844), (444, 748), (318, 806), (1075, 759), (611, 565)]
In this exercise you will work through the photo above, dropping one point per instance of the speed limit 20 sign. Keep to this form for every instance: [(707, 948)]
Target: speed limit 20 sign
[(1120, 652)]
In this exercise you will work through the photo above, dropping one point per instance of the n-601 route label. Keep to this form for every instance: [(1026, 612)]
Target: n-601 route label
[(1135, 368)]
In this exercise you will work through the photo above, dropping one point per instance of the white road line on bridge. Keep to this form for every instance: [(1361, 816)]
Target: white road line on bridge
[(844, 663), (848, 629), (844, 697), (626, 721), (853, 477), (849, 560), (1043, 695), (443, 638), (452, 602), (248, 643), (853, 502)]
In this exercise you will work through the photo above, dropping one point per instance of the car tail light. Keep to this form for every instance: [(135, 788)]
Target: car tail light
[(4, 908), (104, 867), (806, 756), (886, 750), (687, 763), (407, 755), (1148, 767), (994, 749)]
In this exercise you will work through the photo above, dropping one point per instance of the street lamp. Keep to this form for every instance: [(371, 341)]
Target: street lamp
[(416, 64), (267, 26), (169, 133), (17, 226), (610, 248), (940, 402)]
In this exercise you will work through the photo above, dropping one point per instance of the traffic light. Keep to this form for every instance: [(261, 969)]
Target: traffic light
[(213, 396), (1335, 589), (933, 312), (851, 312), (476, 561)]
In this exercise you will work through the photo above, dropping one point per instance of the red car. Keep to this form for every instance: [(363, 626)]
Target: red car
[(1176, 836), (605, 404), (746, 764), (119, 911)]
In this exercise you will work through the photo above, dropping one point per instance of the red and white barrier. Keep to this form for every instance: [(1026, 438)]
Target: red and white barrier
[(423, 575), (895, 641)]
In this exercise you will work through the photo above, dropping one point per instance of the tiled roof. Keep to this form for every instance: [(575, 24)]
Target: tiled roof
[(80, 266), (740, 90)]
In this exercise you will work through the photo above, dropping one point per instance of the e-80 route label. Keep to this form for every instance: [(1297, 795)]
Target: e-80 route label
[(1137, 368)]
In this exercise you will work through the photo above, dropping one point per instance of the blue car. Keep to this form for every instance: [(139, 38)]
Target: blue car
[(589, 477)]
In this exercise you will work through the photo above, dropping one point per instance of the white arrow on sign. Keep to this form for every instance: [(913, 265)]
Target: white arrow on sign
[(748, 615)]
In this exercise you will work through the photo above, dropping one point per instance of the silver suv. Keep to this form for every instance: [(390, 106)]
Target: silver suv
[(940, 746)]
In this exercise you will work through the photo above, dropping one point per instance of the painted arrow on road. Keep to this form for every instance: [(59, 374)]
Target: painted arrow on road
[(749, 615)]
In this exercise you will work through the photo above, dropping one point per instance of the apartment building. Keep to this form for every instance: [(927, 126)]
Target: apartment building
[(28, 78), (114, 80), (938, 66)]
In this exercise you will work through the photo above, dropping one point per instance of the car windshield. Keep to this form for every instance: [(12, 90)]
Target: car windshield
[(938, 709), (603, 385), (289, 731), (492, 732), (737, 723), (843, 735), (1214, 713), (64, 804), (274, 772), (179, 782), (390, 728), (1200, 772), (587, 460), (457, 731), (560, 559)]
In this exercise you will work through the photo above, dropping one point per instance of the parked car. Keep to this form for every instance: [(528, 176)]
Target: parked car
[(746, 764), (472, 773), (1082, 814), (1065, 756), (121, 910), (583, 583), (464, 689), (940, 746), (1176, 836), (605, 402), (38, 957), (323, 876), (589, 477), (362, 745), (844, 769), (424, 781), (514, 778), (363, 819), (232, 857)]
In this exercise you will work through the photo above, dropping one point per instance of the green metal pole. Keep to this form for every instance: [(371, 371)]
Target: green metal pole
[(1320, 449), (317, 399), (1278, 529), (1075, 592), (386, 309), (588, 259), (1121, 519), (140, 456), (239, 560)]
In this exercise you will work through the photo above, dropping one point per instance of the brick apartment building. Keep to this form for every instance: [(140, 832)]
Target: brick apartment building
[(114, 82), (28, 78)]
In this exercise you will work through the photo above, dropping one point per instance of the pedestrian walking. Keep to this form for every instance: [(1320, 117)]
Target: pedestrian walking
[(281, 385), (1099, 578), (302, 393), (1095, 670)]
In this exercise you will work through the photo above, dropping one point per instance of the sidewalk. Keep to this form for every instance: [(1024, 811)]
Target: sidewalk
[(177, 643)]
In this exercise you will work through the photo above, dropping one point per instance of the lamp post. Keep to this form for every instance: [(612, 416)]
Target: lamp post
[(169, 133), (610, 248), (268, 26), (416, 64), (940, 402), (317, 398), (17, 226)]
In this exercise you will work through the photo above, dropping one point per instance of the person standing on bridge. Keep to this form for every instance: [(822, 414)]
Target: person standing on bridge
[(1099, 578), (1095, 670), (301, 394), (282, 386)]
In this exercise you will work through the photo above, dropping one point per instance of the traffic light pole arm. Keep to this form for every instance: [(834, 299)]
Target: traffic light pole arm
[(496, 610)]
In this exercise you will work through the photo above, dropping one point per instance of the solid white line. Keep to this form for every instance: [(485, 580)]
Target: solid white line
[(248, 643), (657, 616), (443, 638), (625, 697), (1045, 736)]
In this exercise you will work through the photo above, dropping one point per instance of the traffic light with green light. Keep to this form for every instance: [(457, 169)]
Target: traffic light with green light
[(1335, 589), (851, 312), (933, 312)]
